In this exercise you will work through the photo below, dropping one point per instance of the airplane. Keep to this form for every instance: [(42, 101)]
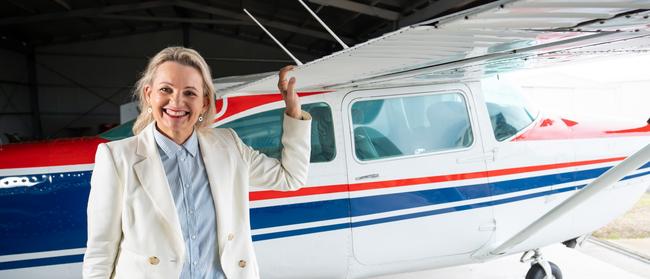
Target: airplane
[(422, 156)]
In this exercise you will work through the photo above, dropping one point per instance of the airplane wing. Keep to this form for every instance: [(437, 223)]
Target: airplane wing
[(495, 37)]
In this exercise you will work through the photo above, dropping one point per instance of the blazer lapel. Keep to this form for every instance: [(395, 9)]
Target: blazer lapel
[(218, 161), (151, 174)]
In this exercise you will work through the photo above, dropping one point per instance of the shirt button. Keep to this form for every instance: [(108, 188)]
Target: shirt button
[(193, 236), (242, 263), (194, 263), (231, 237)]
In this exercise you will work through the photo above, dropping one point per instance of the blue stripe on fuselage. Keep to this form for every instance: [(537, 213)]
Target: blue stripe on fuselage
[(298, 213), (48, 216), (41, 262), (51, 216)]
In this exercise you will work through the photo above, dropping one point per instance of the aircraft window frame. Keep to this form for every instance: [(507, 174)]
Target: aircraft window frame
[(532, 111), (332, 129), (520, 132), (468, 110)]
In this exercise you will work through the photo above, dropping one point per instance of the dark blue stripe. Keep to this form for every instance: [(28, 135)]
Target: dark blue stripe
[(48, 216), (462, 207), (51, 215), (42, 262), (260, 237), (647, 165), (635, 175), (297, 213), (283, 234)]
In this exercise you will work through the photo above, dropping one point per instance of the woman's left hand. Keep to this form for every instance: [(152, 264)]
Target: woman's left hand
[(288, 91)]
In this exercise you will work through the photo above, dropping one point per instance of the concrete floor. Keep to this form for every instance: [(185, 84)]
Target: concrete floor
[(590, 261)]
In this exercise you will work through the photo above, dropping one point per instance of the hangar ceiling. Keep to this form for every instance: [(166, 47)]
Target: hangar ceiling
[(48, 90), (50, 22)]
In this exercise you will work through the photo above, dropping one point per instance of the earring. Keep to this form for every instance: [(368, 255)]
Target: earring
[(200, 118), (149, 109)]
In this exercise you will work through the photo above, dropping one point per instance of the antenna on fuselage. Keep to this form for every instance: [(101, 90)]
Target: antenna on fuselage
[(274, 39), (324, 25)]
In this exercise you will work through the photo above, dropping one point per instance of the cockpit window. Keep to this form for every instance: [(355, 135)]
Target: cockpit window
[(263, 131), (412, 125), (509, 111)]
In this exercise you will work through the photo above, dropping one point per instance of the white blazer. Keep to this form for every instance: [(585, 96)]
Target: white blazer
[(133, 228)]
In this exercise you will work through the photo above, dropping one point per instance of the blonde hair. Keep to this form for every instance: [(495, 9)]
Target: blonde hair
[(183, 56)]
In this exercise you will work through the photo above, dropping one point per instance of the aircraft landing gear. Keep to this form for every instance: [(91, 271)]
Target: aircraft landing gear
[(540, 268)]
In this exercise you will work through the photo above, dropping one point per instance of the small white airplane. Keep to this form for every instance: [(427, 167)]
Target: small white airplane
[(422, 157)]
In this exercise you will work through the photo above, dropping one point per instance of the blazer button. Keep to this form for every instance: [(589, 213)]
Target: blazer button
[(242, 263), (154, 260), (231, 237)]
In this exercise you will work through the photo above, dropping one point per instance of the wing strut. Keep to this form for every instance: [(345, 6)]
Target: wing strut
[(274, 39), (324, 25), (610, 177)]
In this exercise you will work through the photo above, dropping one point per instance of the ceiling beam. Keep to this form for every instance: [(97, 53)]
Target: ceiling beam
[(394, 3), (344, 22), (359, 8), (22, 6), (355, 16), (63, 4), (173, 19), (84, 12), (149, 12), (436, 9), (113, 33), (420, 11), (295, 48), (13, 44), (66, 5), (274, 24), (303, 24)]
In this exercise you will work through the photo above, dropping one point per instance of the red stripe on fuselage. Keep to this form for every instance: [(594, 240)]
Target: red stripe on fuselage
[(51, 153), (553, 128), (266, 195), (644, 129), (82, 150), (243, 103)]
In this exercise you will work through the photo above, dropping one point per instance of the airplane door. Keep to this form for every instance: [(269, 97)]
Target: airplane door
[(416, 173)]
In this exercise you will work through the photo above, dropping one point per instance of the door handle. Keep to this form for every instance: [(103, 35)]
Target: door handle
[(374, 175)]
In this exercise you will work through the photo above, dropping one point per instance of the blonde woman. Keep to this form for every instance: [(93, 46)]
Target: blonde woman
[(172, 201)]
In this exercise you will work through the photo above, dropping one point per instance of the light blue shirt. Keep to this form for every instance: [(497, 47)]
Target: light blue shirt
[(190, 188)]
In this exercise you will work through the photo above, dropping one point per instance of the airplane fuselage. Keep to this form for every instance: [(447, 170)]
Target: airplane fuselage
[(402, 178)]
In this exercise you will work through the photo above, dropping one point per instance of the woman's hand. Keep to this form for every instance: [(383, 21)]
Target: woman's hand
[(288, 91)]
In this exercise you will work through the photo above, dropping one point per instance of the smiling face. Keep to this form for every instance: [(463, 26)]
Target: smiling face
[(176, 98)]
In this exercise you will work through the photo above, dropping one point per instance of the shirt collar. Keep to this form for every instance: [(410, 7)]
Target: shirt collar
[(170, 148)]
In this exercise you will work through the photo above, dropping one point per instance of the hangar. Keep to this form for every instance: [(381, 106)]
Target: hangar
[(66, 66)]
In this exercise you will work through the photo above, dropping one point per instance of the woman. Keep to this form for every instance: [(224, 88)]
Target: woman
[(172, 201)]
